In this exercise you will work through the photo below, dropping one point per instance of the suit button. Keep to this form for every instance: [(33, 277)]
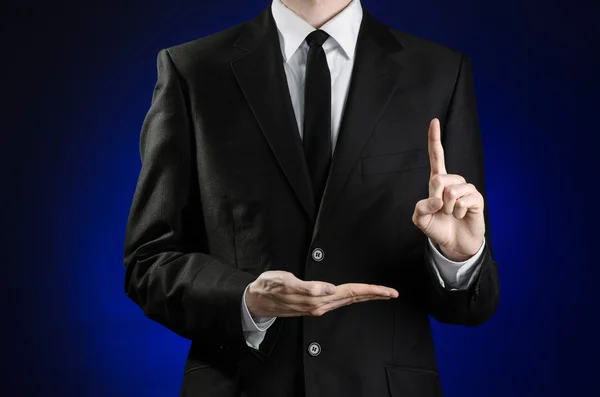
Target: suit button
[(318, 254), (314, 349)]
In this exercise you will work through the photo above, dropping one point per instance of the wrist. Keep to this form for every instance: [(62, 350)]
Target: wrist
[(454, 255), (250, 300)]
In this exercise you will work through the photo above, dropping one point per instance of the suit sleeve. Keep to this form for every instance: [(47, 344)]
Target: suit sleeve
[(169, 272), (463, 151)]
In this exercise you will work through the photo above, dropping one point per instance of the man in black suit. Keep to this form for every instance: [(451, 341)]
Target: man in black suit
[(311, 191)]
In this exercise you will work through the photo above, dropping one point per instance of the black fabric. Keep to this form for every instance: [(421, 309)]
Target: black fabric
[(317, 113), (224, 194)]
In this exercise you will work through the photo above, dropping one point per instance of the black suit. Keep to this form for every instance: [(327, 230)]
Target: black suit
[(224, 194)]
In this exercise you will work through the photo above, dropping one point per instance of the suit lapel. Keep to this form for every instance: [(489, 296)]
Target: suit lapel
[(261, 76), (374, 80)]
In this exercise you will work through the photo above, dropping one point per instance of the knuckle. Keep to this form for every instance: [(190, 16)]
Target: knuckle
[(268, 285), (278, 278), (436, 180), (284, 276)]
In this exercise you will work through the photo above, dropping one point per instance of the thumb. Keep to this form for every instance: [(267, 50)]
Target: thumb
[(424, 209), (314, 288)]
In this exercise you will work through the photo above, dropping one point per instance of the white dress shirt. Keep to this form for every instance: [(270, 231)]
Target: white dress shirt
[(339, 50)]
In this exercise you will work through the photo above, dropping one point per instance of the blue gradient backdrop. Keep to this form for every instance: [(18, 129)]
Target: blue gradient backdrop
[(77, 83)]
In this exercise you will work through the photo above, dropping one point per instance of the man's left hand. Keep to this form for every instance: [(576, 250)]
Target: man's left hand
[(452, 216)]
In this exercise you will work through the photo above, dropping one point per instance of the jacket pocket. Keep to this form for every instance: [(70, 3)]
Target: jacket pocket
[(412, 382), (196, 368), (394, 162), (207, 380)]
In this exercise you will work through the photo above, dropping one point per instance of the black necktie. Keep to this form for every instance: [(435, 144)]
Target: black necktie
[(317, 113)]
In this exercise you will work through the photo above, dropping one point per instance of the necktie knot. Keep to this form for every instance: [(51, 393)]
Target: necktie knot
[(316, 38)]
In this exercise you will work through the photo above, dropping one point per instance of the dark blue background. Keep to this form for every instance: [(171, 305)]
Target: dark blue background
[(77, 81)]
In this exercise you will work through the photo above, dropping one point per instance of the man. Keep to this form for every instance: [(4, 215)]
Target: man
[(310, 192)]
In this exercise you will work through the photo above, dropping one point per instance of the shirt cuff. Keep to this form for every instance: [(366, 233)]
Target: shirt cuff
[(455, 275), (254, 328)]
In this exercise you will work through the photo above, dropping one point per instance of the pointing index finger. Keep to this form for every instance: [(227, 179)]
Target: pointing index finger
[(436, 151)]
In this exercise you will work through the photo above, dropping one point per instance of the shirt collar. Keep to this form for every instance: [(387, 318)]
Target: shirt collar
[(343, 28)]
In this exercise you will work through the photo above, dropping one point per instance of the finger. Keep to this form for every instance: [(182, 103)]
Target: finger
[(304, 300), (453, 193), (302, 305), (460, 209), (436, 150), (438, 182), (306, 304), (357, 289), (424, 210), (472, 202), (351, 301), (304, 293), (345, 302), (311, 288)]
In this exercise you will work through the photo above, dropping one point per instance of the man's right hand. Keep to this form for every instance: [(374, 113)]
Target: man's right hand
[(278, 293)]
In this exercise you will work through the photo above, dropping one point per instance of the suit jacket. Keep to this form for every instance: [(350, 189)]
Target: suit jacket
[(224, 194)]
